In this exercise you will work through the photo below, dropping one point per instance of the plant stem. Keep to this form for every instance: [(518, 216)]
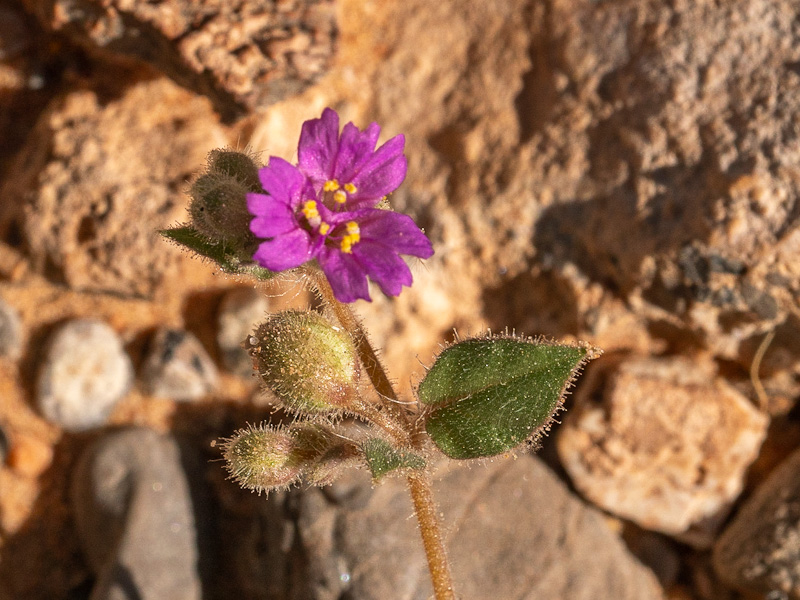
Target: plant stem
[(419, 484), (425, 510), (374, 414)]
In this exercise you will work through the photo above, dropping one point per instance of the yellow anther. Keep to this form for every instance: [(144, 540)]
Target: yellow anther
[(324, 228), (310, 210), (340, 197), (350, 188), (331, 185), (311, 213), (352, 238)]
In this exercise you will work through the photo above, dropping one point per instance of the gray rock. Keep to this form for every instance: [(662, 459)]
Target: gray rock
[(240, 311), (178, 367), (514, 532), (10, 331), (760, 550), (85, 372), (134, 516)]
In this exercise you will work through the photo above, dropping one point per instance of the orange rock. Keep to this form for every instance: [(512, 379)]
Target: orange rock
[(29, 456)]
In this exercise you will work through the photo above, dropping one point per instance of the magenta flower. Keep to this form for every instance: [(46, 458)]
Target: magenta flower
[(324, 209)]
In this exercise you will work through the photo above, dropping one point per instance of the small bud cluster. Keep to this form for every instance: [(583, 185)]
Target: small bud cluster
[(267, 458), (218, 208)]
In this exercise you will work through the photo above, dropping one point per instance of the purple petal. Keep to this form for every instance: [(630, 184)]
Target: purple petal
[(285, 251), (282, 181), (383, 266), (355, 149), (319, 146), (346, 276), (393, 230), (272, 217), (382, 173)]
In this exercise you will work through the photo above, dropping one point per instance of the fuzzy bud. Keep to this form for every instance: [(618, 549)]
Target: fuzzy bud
[(266, 458), (332, 464), (219, 209), (309, 364), (237, 165), (263, 458)]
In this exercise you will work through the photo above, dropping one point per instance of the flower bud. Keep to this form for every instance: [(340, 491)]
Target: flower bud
[(237, 165), (266, 458), (331, 465), (309, 364), (219, 209), (263, 458)]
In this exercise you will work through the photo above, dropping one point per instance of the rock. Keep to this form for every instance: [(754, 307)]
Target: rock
[(31, 67), (133, 512), (243, 54), (662, 442), (10, 331), (515, 532), (240, 311), (626, 151), (178, 367), (660, 554), (99, 176), (673, 199), (28, 455), (14, 34), (759, 552), (4, 444), (84, 373)]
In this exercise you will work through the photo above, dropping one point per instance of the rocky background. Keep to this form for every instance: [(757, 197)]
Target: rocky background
[(623, 172)]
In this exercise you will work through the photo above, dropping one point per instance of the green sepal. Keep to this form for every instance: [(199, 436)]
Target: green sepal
[(382, 458), (222, 255), (488, 396)]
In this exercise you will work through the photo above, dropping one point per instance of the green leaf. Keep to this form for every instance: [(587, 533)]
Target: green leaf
[(487, 396), (224, 256), (382, 458)]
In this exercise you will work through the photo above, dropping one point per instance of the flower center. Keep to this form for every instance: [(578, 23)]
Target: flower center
[(351, 238), (338, 192)]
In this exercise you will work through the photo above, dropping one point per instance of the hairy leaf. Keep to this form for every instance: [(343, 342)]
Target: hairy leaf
[(487, 396), (382, 458), (224, 257)]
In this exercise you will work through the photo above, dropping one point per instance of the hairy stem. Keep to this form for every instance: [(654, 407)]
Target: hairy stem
[(418, 482), (373, 413), (425, 510)]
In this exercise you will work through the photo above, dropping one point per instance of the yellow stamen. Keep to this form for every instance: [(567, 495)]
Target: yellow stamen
[(324, 228), (353, 229), (340, 197), (310, 210), (331, 185), (352, 238), (311, 213), (350, 188)]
